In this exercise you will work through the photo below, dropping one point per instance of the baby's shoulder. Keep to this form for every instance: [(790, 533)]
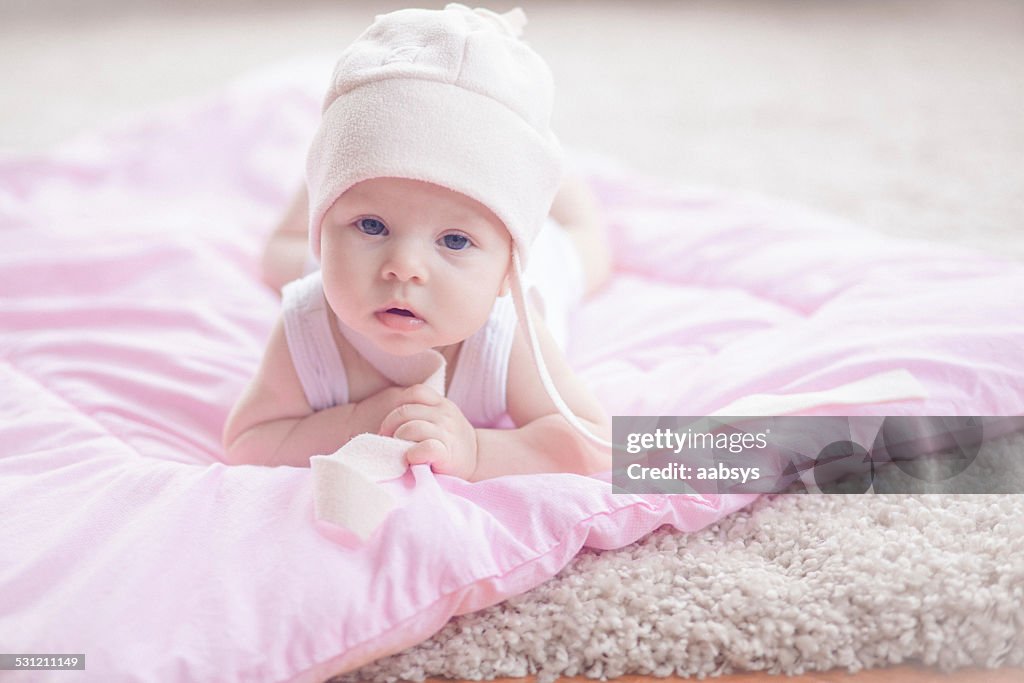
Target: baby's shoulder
[(527, 396)]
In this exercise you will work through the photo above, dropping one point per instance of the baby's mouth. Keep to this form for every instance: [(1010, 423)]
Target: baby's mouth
[(400, 319)]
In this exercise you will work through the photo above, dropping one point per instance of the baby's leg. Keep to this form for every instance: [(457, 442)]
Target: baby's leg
[(575, 208), (286, 251)]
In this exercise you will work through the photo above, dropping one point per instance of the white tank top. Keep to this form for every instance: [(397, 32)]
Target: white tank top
[(477, 386)]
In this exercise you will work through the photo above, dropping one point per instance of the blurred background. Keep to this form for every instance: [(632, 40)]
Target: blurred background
[(905, 115)]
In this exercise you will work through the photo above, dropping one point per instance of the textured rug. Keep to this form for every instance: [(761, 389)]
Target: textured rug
[(792, 584)]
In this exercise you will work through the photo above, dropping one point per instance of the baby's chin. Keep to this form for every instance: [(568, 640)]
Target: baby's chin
[(408, 345)]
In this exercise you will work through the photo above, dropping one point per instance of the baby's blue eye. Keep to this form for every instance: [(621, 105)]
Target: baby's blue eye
[(371, 226), (456, 242)]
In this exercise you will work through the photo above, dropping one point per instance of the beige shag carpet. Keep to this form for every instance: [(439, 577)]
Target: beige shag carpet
[(793, 584)]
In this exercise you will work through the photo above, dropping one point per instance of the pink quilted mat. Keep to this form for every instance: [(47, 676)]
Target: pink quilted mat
[(131, 316)]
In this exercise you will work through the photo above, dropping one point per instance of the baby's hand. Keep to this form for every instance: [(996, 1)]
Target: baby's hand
[(443, 436)]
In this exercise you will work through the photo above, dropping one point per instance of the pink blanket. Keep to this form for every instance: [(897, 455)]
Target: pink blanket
[(131, 315)]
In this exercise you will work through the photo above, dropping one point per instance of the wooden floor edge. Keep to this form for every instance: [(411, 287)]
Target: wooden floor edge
[(899, 674)]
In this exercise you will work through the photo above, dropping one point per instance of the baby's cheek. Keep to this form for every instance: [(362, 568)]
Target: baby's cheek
[(340, 290), (473, 314)]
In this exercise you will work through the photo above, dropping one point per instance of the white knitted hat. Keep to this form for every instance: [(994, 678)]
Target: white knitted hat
[(450, 97)]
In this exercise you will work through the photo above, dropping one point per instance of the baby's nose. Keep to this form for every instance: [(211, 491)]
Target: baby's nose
[(405, 263)]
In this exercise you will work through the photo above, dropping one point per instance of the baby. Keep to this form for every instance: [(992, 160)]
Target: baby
[(429, 183)]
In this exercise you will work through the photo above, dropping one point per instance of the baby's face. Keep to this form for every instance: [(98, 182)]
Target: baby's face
[(412, 265)]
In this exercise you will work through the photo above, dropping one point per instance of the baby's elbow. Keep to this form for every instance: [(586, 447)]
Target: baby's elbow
[(233, 453), (238, 445), (229, 437), (595, 457)]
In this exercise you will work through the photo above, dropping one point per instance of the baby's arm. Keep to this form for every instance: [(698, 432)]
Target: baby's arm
[(273, 424), (544, 441)]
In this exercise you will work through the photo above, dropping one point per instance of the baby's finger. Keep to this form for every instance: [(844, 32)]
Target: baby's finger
[(418, 431), (430, 451), (403, 414), (421, 393)]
